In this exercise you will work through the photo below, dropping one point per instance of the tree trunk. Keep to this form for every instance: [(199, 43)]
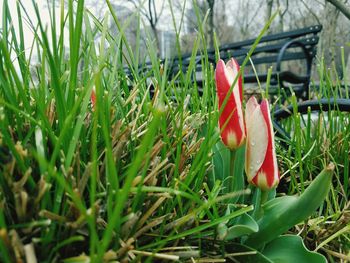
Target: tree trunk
[(211, 23), (341, 7), (331, 15), (156, 37), (269, 4), (280, 14), (347, 70)]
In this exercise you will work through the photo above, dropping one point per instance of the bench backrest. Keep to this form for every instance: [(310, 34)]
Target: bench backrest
[(296, 45), (269, 45)]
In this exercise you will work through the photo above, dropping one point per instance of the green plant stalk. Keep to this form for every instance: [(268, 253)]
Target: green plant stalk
[(346, 166), (3, 249), (75, 35), (263, 198), (146, 143), (57, 87), (269, 72), (282, 213), (344, 72), (232, 171), (4, 252), (200, 227), (344, 230), (238, 182), (94, 167)]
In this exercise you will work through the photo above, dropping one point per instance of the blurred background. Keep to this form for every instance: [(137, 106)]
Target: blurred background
[(231, 20)]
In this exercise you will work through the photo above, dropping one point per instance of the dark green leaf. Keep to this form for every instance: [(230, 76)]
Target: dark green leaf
[(282, 213), (245, 225), (291, 249)]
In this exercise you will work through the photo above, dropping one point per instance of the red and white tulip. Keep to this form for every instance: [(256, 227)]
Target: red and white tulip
[(261, 162), (231, 120)]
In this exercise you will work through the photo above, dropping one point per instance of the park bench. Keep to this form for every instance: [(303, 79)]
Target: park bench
[(290, 54)]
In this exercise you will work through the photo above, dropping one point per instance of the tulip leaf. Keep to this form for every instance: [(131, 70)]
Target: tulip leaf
[(221, 165), (243, 253), (245, 225), (284, 249), (256, 199), (290, 249), (222, 170), (282, 213), (238, 175)]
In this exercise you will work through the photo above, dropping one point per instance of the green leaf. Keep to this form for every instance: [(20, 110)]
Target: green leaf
[(221, 169), (242, 253), (282, 213), (245, 225), (221, 164), (256, 199), (290, 249), (238, 175), (78, 259), (199, 228)]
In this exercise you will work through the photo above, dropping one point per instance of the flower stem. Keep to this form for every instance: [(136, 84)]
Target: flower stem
[(232, 170), (263, 198)]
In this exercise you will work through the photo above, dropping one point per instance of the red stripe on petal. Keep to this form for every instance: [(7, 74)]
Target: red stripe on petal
[(222, 81), (269, 166), (231, 119)]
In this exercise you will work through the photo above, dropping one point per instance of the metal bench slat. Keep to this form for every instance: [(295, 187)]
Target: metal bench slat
[(275, 48)]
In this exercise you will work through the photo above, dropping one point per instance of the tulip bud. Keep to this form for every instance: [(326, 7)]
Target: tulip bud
[(261, 162), (231, 120)]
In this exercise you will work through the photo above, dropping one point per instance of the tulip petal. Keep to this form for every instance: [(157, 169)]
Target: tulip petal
[(269, 168), (233, 66), (224, 78), (257, 134), (231, 120), (236, 96), (261, 180), (250, 107)]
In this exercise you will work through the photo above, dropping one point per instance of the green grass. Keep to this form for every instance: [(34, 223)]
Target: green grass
[(129, 178)]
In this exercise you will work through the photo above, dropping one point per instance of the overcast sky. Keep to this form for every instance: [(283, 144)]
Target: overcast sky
[(45, 19), (28, 34)]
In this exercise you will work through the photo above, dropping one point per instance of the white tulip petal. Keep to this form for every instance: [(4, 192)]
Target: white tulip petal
[(250, 107), (272, 136), (230, 74), (257, 140), (239, 107), (233, 70), (231, 64)]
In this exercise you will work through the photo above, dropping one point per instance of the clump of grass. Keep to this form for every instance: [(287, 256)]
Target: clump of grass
[(116, 182), (126, 180), (318, 138)]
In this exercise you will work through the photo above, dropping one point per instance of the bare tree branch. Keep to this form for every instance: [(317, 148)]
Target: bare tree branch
[(140, 8), (341, 7), (286, 9), (311, 12)]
